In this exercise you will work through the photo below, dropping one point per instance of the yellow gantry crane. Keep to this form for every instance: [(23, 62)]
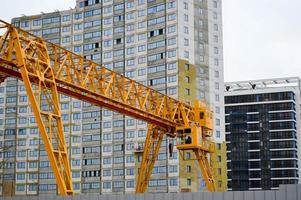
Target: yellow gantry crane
[(47, 70)]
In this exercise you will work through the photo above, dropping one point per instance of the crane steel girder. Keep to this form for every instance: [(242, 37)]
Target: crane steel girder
[(151, 149), (30, 57), (206, 169), (47, 69)]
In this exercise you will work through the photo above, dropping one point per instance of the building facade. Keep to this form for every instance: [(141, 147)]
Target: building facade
[(173, 46), (263, 133)]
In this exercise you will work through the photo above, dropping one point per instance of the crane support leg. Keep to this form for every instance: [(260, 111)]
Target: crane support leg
[(32, 59), (151, 150), (206, 169)]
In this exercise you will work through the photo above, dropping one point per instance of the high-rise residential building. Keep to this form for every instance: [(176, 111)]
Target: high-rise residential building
[(173, 46), (263, 133)]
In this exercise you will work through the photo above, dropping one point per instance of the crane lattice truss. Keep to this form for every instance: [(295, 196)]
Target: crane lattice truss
[(47, 70)]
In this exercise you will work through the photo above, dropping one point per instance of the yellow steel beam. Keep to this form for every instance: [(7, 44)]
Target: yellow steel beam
[(150, 152), (206, 169), (32, 60), (89, 81)]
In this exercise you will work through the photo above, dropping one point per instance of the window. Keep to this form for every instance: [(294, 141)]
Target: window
[(66, 29), (141, 72), (76, 128), (130, 51), (106, 172), (156, 9), (130, 171), (171, 4), (77, 37), (142, 36), (66, 18), (217, 109), (130, 184), (215, 4), (172, 91), (118, 160), (11, 99), (187, 91), (216, 85), (141, 13), (186, 42), (217, 122), (141, 133), (218, 134), (107, 9), (157, 44), (130, 62), (156, 57), (130, 122), (50, 31), (118, 123), (36, 22), (187, 79), (171, 41), (106, 185), (171, 29), (118, 184), (118, 7), (140, 2), (216, 62), (185, 17), (188, 168), (185, 5), (173, 182), (216, 50), (78, 16), (188, 182), (51, 20), (118, 136), (141, 60), (10, 121), (118, 30), (130, 134), (173, 168), (77, 49), (107, 136), (92, 35), (20, 187), (172, 17), (215, 38), (186, 54), (107, 148), (155, 21), (118, 172), (11, 89), (216, 97), (216, 74), (78, 27), (66, 39), (172, 79), (130, 16), (24, 24), (215, 27), (214, 15)]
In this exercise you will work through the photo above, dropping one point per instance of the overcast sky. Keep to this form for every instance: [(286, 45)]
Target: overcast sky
[(262, 38)]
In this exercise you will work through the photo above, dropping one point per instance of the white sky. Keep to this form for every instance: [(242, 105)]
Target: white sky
[(262, 38)]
